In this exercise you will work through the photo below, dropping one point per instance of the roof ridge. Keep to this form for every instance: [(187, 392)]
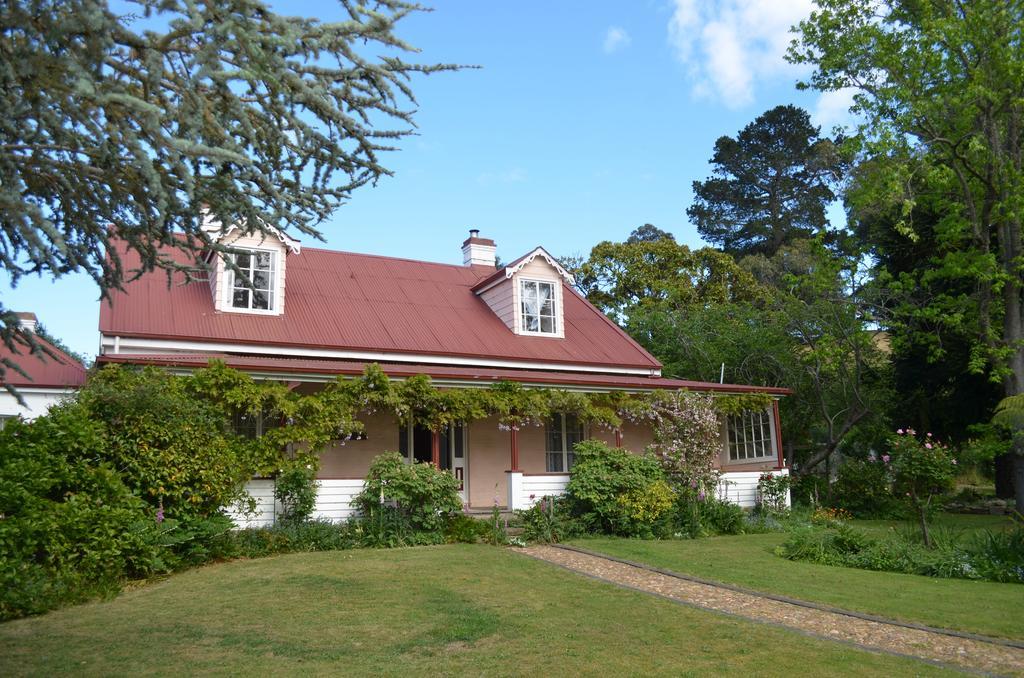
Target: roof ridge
[(463, 267)]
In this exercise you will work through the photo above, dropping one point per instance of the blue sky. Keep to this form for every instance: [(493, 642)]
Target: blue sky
[(586, 120)]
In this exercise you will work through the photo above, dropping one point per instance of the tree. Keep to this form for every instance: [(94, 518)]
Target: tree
[(138, 125), (792, 320), (941, 90), (625, 278), (648, 233), (770, 185)]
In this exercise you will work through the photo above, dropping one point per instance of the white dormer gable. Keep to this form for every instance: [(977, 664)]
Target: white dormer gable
[(263, 258), (528, 295)]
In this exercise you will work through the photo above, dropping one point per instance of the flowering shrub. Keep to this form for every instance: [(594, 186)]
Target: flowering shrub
[(549, 521), (921, 469), (687, 439)]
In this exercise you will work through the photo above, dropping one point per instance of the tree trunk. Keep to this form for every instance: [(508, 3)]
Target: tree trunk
[(922, 516), (1018, 481)]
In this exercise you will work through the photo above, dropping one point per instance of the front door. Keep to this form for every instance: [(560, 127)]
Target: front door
[(454, 457)]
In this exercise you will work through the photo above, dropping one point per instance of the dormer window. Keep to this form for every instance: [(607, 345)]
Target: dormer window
[(538, 313), (259, 292)]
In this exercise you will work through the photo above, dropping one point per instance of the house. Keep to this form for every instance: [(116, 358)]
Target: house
[(50, 374), (313, 314)]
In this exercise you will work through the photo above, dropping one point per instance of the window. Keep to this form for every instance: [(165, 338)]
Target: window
[(537, 306), (750, 436), (258, 267), (414, 444), (563, 432), (253, 426)]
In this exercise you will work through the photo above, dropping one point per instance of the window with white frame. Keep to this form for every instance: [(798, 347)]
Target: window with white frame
[(537, 307), (258, 292), (563, 431), (750, 436)]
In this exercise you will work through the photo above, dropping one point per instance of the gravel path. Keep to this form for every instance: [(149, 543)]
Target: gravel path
[(967, 653)]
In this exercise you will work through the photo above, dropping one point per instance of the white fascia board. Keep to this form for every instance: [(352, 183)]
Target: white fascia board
[(125, 344)]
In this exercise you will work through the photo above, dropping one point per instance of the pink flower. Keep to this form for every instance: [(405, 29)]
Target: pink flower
[(928, 435), (899, 431), (927, 446), (885, 458), (954, 462)]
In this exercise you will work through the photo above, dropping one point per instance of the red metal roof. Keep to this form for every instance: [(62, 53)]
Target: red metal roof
[(468, 374), (347, 301), (44, 371)]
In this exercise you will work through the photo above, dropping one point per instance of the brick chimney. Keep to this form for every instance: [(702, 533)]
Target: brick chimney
[(477, 251)]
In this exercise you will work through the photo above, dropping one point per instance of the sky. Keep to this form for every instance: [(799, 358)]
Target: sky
[(585, 120)]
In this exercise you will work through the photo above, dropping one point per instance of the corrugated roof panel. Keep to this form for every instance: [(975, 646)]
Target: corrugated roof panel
[(341, 300)]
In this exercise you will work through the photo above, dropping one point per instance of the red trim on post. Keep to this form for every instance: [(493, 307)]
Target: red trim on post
[(618, 437), (514, 449), (435, 449), (778, 433)]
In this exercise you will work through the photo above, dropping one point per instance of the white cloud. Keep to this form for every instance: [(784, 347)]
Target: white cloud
[(730, 46), (833, 108), (615, 39)]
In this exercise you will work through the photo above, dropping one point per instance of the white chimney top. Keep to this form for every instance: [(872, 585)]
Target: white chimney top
[(27, 321), (477, 251)]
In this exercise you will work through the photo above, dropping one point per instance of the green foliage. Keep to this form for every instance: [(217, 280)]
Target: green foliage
[(863, 488), (994, 556), (697, 514), (601, 483), (71, 528), (170, 448), (921, 470), (772, 494), (129, 123), (463, 529), (770, 184), (550, 521), (295, 487), (420, 493), (687, 438)]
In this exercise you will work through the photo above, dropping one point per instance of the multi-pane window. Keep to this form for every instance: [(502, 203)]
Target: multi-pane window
[(563, 432), (258, 293), (255, 425), (537, 306), (750, 436)]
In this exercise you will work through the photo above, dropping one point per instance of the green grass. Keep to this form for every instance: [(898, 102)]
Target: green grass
[(431, 610), (749, 561)]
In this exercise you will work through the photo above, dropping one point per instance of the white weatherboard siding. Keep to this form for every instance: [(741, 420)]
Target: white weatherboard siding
[(526, 490), (334, 499), (740, 487), (37, 401), (333, 502)]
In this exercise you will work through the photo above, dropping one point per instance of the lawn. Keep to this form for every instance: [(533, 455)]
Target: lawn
[(431, 610), (748, 561)]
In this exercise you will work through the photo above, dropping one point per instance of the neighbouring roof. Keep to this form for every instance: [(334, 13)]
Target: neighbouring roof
[(347, 301), (329, 368), (58, 370)]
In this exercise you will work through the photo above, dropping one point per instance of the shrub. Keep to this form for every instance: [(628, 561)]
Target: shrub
[(71, 529), (461, 528), (998, 556), (722, 517), (862, 487), (830, 517), (296, 488), (420, 494), (550, 521), (921, 470), (809, 489), (687, 438), (606, 487), (171, 448), (772, 494)]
